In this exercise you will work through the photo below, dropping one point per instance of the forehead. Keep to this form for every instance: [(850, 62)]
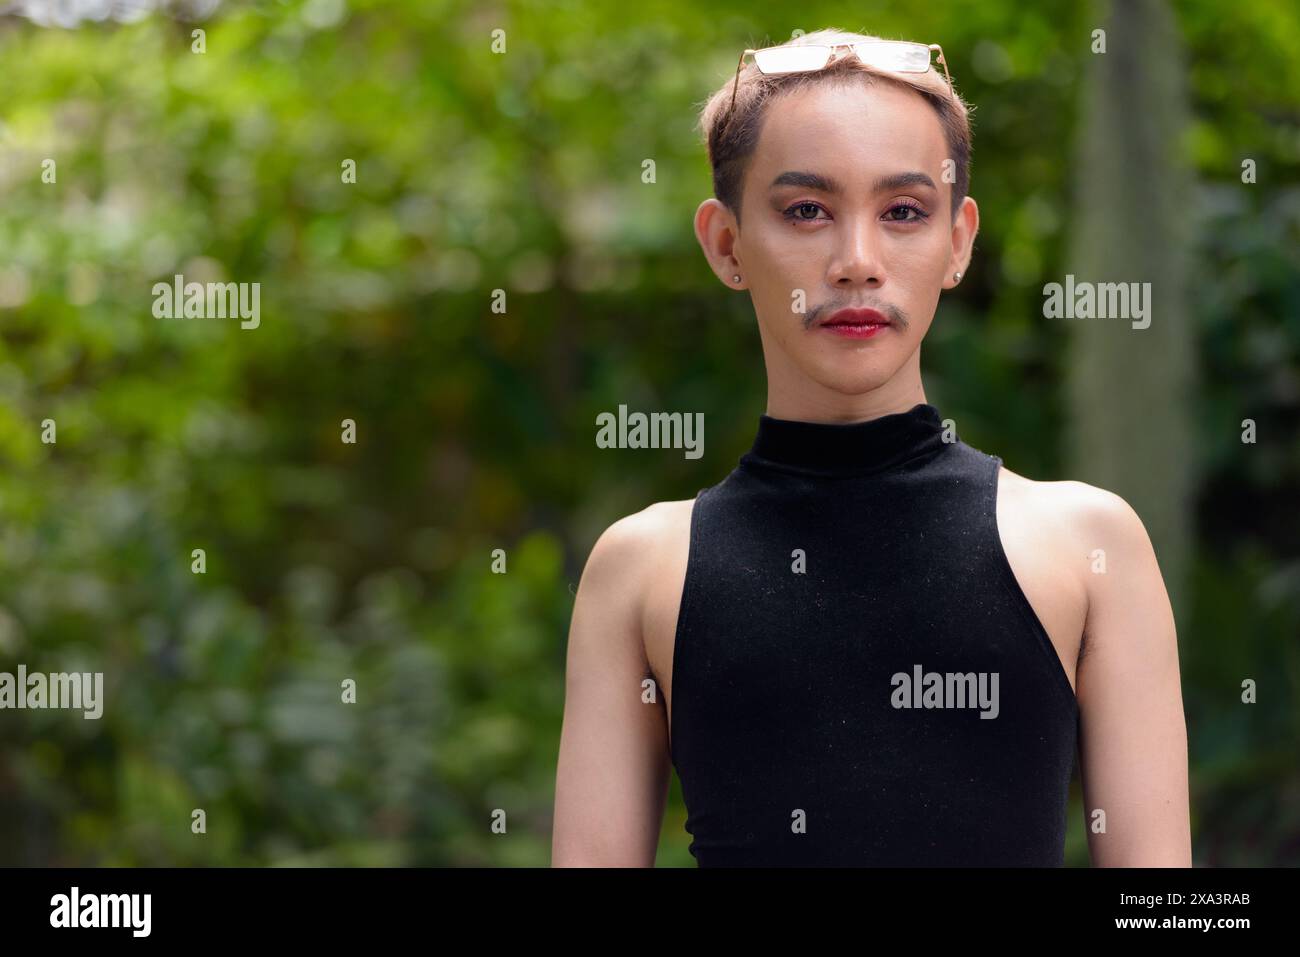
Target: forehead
[(856, 129)]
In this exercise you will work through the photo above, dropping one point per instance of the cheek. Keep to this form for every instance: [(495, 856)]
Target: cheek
[(773, 248), (928, 246), (921, 264)]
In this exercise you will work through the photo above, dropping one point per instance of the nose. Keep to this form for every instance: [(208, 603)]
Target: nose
[(858, 257)]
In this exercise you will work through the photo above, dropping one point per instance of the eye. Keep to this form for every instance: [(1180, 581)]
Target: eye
[(918, 214), (794, 213)]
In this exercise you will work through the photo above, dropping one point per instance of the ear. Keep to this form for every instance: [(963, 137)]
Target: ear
[(716, 229), (964, 229)]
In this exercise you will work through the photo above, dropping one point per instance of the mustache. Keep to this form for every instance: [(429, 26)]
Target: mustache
[(889, 310)]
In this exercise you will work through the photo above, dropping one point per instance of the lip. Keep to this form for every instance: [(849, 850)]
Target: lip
[(856, 323)]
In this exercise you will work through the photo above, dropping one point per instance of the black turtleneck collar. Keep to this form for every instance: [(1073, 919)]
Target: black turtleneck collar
[(854, 448)]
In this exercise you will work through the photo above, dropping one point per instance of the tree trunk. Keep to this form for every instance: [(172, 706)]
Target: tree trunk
[(1131, 390)]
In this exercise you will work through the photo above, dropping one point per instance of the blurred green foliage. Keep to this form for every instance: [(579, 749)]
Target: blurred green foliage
[(521, 171)]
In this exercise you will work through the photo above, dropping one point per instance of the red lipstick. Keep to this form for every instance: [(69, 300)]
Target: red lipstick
[(856, 323)]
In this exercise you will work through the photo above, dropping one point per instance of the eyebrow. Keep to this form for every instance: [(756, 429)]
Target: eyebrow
[(825, 184)]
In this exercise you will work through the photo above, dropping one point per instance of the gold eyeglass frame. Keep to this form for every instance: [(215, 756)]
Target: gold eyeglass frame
[(830, 58)]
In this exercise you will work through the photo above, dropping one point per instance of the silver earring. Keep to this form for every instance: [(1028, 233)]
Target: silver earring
[(736, 278), (956, 277)]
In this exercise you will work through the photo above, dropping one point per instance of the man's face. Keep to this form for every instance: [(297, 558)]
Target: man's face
[(845, 200)]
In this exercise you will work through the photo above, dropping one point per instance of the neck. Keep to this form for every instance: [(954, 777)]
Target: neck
[(797, 398)]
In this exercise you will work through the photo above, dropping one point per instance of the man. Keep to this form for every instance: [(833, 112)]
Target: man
[(871, 644)]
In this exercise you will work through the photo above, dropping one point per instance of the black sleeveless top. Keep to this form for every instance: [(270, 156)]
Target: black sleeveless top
[(858, 678)]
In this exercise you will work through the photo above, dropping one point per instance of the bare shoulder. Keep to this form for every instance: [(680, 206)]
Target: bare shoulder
[(1084, 529), (1083, 509), (639, 565), (640, 537), (629, 555)]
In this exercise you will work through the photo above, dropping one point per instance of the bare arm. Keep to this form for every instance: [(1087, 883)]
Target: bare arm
[(611, 781), (1133, 736)]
